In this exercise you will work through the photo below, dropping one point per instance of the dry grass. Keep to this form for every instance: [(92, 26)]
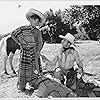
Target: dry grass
[(88, 50)]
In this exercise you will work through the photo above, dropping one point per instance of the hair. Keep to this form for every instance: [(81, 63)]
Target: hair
[(36, 17)]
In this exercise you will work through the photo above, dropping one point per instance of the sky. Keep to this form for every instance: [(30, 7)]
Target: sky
[(13, 16)]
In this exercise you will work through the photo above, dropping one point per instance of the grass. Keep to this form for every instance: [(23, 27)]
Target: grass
[(88, 51)]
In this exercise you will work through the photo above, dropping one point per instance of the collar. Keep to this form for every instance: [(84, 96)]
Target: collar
[(32, 27)]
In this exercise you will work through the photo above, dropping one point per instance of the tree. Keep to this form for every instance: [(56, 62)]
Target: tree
[(93, 24), (86, 18)]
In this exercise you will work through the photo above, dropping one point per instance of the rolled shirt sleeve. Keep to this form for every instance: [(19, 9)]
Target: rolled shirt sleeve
[(15, 35)]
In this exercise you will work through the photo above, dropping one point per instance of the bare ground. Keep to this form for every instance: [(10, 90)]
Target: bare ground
[(89, 53)]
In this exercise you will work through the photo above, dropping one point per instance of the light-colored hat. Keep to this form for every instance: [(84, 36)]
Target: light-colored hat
[(36, 12), (68, 37)]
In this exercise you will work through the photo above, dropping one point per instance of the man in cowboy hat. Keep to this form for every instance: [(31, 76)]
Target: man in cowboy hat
[(30, 40), (65, 57)]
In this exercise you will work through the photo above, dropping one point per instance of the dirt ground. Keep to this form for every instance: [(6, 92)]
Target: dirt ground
[(89, 53)]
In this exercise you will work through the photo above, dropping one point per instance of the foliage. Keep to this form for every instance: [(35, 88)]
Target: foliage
[(63, 21), (93, 17)]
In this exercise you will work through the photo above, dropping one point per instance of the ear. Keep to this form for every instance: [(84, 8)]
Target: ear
[(30, 19)]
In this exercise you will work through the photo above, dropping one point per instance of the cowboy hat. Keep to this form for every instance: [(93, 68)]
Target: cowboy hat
[(69, 37), (35, 12)]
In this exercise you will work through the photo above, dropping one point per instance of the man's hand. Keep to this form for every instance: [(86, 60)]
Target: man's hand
[(80, 70), (36, 72)]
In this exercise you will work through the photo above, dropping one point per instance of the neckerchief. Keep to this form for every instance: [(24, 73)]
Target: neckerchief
[(65, 49)]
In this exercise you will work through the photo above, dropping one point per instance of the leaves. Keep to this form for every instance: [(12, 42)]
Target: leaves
[(89, 15)]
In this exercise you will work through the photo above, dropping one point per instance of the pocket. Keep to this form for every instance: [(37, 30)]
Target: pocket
[(29, 38)]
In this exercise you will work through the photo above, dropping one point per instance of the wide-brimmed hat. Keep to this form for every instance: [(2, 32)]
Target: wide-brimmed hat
[(69, 37), (35, 12)]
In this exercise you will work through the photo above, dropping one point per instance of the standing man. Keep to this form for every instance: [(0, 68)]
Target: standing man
[(30, 40)]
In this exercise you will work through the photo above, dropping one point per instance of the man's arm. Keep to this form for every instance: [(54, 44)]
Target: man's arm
[(40, 42), (38, 49), (17, 36), (78, 61), (48, 62)]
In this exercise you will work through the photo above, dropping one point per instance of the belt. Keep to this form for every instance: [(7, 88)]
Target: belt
[(67, 70)]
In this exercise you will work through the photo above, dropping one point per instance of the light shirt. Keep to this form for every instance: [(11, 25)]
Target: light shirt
[(65, 59)]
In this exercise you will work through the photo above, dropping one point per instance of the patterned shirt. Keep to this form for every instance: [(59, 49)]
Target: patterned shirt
[(26, 36)]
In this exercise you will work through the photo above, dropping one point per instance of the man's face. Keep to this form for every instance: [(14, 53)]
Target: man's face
[(65, 43), (34, 22)]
